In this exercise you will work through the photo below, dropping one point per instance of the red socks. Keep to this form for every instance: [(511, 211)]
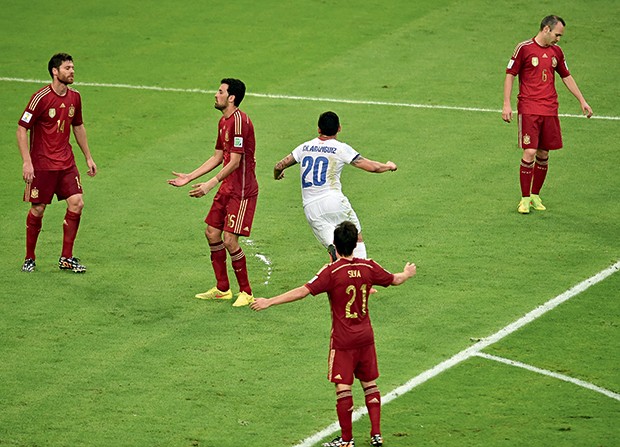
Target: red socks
[(33, 228), (241, 271), (69, 229), (540, 173), (525, 177), (218, 261), (373, 404), (344, 409)]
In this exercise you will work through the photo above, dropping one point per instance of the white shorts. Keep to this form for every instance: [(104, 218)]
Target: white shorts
[(325, 214)]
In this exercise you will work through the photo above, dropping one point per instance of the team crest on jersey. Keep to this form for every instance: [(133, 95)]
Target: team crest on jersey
[(535, 61), (34, 193), (226, 137), (526, 139), (554, 62), (52, 113), (71, 111)]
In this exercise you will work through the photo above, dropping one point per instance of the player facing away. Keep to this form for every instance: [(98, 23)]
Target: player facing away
[(322, 160), (48, 162), (348, 282), (234, 204), (535, 62)]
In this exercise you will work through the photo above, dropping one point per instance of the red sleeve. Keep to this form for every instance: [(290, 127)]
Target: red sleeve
[(381, 277), (562, 67)]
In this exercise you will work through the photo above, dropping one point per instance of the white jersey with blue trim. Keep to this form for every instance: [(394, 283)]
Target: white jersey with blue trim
[(321, 163)]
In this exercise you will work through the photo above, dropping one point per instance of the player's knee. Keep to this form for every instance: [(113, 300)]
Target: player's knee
[(37, 209)]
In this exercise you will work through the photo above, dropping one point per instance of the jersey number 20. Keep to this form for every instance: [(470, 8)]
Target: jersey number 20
[(315, 171)]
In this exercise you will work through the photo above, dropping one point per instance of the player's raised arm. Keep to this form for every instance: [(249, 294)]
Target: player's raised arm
[(373, 166), (278, 169)]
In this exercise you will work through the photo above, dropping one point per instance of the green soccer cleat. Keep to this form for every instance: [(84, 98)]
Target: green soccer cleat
[(243, 299), (524, 205), (215, 294), (537, 203)]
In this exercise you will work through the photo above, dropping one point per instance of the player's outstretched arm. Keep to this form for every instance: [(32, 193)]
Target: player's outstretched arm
[(373, 166), (287, 297), (182, 179), (278, 169), (408, 272)]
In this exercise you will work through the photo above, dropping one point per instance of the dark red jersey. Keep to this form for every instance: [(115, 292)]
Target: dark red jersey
[(49, 118), (536, 67), (347, 284), (236, 134)]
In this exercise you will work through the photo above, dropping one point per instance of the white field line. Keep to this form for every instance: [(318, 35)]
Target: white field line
[(297, 98), (546, 372), (471, 351)]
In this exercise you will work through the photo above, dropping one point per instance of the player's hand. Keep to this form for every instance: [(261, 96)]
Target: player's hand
[(259, 304), (28, 172), (587, 110), (410, 269), (507, 114), (278, 175), (180, 180), (92, 168), (201, 189), (392, 166)]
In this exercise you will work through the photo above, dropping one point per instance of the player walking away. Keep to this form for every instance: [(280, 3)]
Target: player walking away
[(232, 211), (536, 61), (347, 282), (322, 160), (48, 163)]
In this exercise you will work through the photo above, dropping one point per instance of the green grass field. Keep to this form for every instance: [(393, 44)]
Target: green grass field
[(125, 356)]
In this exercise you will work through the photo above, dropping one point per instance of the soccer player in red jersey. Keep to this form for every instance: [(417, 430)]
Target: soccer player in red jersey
[(348, 282), (234, 204), (536, 61), (48, 163)]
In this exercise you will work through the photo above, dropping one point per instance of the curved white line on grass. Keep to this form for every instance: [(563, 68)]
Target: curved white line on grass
[(546, 372), (298, 98), (471, 351), (264, 259)]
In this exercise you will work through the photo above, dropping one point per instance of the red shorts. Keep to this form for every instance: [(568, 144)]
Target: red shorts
[(45, 184), (231, 214), (344, 364), (540, 132)]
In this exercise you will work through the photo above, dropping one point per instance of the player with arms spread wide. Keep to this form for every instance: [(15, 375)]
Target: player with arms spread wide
[(322, 160), (232, 211), (348, 282), (536, 61), (48, 163)]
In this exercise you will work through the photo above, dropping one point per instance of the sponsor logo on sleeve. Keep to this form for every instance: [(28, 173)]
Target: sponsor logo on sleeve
[(26, 117), (238, 142), (511, 62)]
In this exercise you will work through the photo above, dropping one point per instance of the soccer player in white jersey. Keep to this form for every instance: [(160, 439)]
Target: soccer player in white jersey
[(322, 160)]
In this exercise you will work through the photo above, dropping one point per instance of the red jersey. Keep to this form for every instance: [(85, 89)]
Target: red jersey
[(536, 66), (236, 134), (347, 283), (49, 118)]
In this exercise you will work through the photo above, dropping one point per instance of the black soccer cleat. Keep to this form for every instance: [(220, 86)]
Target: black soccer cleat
[(29, 265), (72, 264), (376, 440)]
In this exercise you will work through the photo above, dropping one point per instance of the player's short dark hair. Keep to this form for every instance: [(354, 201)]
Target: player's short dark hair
[(57, 60), (329, 124), (236, 88), (551, 21), (345, 238)]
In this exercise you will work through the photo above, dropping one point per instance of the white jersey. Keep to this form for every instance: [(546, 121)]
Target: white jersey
[(321, 164)]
